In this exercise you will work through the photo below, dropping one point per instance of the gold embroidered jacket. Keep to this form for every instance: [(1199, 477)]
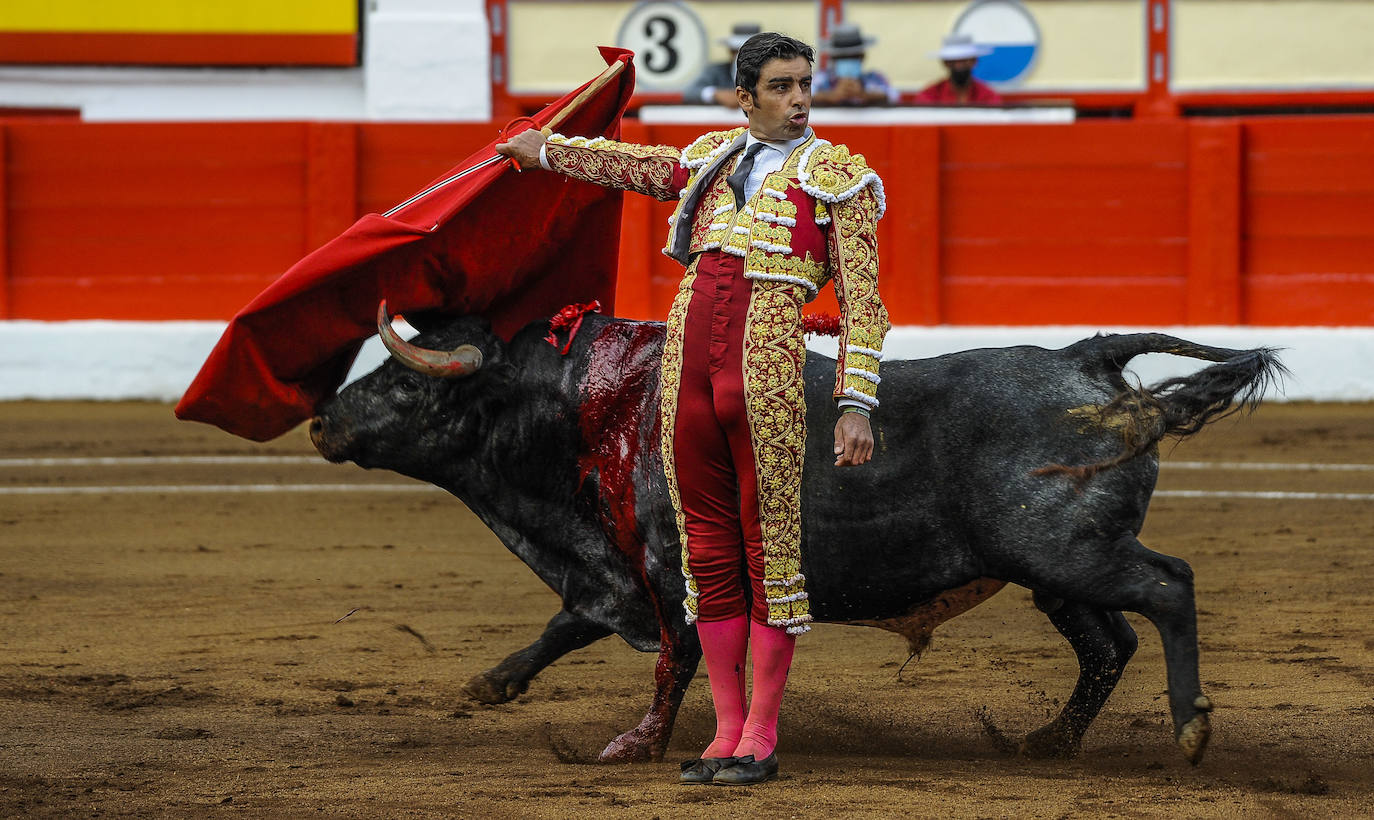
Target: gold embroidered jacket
[(813, 221), (781, 232)]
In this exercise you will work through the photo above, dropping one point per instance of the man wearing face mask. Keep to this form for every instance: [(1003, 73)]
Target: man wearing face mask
[(846, 82), (960, 54)]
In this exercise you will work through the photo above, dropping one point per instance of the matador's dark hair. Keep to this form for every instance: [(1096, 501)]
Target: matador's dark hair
[(761, 48)]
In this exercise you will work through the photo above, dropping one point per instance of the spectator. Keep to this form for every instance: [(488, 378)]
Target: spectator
[(716, 83), (846, 82), (960, 54)]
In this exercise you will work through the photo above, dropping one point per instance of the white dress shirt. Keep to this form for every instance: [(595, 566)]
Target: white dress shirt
[(767, 161)]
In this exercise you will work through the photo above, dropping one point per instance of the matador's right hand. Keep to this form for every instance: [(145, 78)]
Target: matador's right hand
[(523, 148)]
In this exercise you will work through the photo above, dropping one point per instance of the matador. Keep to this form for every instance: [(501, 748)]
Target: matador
[(766, 216)]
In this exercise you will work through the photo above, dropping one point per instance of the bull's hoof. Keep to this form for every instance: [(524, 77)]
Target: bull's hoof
[(491, 689), (1193, 737), (1051, 741), (632, 747)]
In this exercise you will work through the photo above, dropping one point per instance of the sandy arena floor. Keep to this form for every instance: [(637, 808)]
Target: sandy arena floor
[(293, 652)]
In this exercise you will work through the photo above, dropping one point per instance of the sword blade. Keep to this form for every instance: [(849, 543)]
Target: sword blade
[(443, 183)]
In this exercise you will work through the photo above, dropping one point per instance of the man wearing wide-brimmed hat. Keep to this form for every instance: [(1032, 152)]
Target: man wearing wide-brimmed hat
[(846, 82), (716, 83), (960, 54)]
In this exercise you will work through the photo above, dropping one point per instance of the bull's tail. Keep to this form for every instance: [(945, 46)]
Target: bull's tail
[(1174, 407)]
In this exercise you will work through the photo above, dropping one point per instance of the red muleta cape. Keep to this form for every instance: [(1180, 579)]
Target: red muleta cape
[(511, 247)]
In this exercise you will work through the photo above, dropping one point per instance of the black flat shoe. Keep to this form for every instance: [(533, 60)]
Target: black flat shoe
[(702, 769), (746, 771)]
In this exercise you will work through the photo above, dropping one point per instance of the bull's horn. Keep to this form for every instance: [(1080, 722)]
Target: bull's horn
[(461, 361)]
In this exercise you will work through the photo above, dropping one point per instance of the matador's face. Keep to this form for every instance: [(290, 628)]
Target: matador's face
[(780, 106)]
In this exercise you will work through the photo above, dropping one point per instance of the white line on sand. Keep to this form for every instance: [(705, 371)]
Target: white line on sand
[(132, 461), (1296, 466), (154, 489), (1264, 494)]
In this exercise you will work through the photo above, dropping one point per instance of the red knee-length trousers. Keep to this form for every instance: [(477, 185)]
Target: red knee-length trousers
[(712, 447)]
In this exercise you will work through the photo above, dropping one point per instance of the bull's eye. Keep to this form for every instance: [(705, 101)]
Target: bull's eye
[(406, 391)]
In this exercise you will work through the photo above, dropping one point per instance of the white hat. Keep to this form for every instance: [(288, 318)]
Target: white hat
[(847, 41), (740, 32), (960, 47)]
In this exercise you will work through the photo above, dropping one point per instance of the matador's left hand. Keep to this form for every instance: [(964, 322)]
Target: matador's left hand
[(853, 440)]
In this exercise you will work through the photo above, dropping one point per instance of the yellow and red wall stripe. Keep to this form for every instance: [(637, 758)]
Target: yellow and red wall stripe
[(177, 32)]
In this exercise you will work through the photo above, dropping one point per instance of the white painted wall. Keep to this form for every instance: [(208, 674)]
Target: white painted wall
[(157, 360), (427, 60)]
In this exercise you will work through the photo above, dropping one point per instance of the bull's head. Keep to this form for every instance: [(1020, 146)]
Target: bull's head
[(423, 407)]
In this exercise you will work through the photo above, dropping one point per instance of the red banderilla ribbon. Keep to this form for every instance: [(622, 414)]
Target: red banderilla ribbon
[(821, 324), (569, 319)]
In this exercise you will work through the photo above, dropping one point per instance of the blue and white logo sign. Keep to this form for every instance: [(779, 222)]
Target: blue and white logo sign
[(1006, 27)]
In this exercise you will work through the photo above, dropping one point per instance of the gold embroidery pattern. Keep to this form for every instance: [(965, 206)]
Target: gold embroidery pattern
[(833, 170), (696, 157), (861, 361), (646, 169), (774, 356), (766, 204), (671, 381), (772, 234), (777, 265), (718, 196), (832, 174), (731, 240), (699, 152), (854, 249), (822, 213), (776, 261)]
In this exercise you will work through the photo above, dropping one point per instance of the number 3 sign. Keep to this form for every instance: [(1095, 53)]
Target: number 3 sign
[(669, 43)]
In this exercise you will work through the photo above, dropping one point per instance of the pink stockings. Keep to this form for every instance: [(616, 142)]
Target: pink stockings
[(724, 644), (772, 648)]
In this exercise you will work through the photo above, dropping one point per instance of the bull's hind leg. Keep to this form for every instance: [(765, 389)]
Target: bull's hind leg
[(511, 677), (1103, 642), (1124, 575)]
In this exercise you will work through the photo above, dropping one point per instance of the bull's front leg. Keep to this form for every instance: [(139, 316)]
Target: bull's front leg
[(678, 656), (511, 677)]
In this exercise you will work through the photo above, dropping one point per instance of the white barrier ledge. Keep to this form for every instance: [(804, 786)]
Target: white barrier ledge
[(822, 116), (107, 360)]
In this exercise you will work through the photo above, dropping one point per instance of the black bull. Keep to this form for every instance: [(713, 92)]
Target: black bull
[(559, 456)]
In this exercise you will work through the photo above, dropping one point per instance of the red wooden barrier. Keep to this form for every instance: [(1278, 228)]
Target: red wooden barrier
[(1064, 225), (1261, 221), (331, 181), (1308, 247), (4, 225), (1214, 192)]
